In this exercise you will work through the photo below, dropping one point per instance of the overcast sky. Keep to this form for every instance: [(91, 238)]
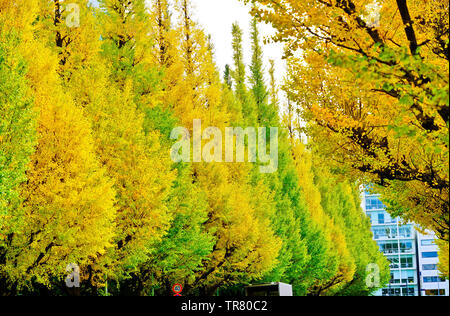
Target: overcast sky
[(217, 16)]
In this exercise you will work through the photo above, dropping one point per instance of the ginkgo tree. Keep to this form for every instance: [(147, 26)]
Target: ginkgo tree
[(244, 244), (68, 200), (371, 81)]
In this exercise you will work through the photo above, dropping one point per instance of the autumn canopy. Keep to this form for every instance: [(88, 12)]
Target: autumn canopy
[(88, 104)]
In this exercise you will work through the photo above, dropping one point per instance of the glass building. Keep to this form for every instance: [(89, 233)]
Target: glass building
[(398, 243)]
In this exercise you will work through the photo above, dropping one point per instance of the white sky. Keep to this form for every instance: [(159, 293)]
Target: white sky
[(216, 18)]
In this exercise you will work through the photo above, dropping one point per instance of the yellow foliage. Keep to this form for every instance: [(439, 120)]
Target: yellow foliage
[(371, 83), (443, 258), (333, 233), (69, 200)]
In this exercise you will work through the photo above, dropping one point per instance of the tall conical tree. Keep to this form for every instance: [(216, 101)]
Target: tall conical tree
[(244, 246), (266, 109), (110, 87), (115, 101), (163, 25), (249, 107), (318, 261), (340, 266), (341, 202), (156, 263), (68, 199), (347, 213), (257, 72)]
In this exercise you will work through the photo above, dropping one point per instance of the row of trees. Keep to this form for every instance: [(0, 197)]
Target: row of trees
[(86, 175)]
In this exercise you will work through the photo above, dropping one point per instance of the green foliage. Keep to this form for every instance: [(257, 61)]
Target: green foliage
[(249, 106), (341, 201), (17, 133)]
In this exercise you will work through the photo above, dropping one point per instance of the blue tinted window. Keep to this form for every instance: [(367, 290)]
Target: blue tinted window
[(429, 267), (373, 203), (432, 279), (406, 246), (405, 231), (429, 254)]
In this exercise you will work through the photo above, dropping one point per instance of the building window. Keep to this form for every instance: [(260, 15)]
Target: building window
[(406, 262), (374, 203), (394, 262), (429, 254), (435, 292), (408, 291), (389, 247), (398, 291), (429, 267), (408, 276), (432, 279), (386, 232), (379, 232), (405, 232), (403, 277), (391, 292), (380, 218), (395, 292), (428, 242), (406, 246)]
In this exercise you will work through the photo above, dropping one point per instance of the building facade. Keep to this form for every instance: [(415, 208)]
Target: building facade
[(412, 255), (398, 244), (431, 284)]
